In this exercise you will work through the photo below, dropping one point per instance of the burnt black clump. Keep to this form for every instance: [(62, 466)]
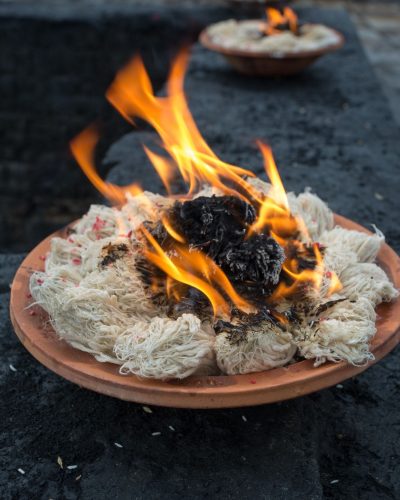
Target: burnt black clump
[(303, 253), (192, 302), (218, 226), (210, 223), (257, 260), (112, 252)]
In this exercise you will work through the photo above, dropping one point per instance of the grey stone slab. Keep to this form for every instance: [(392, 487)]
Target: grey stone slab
[(57, 60), (8, 264)]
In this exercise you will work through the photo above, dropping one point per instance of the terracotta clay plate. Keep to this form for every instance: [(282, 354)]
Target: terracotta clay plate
[(267, 64), (195, 392)]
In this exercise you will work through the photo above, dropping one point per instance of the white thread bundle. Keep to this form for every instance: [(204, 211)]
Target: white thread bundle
[(343, 332), (341, 241), (368, 281), (261, 349), (164, 348)]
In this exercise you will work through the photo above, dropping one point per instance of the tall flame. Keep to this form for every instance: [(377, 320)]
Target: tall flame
[(275, 19), (131, 93)]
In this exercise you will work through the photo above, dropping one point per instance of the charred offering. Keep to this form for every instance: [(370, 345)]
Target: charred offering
[(218, 226)]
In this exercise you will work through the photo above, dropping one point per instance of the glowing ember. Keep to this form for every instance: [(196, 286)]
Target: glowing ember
[(245, 250)]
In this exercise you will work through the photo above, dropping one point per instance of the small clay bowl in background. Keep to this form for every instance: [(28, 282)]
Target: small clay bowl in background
[(268, 64)]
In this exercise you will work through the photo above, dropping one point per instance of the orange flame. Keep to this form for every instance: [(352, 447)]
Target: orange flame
[(274, 212), (195, 269), (276, 18), (305, 278), (82, 147), (171, 231), (131, 93)]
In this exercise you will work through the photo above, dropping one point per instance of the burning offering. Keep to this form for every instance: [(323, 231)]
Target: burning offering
[(234, 276), (279, 35), (276, 46)]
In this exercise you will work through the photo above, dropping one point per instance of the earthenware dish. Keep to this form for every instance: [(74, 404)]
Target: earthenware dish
[(278, 384)]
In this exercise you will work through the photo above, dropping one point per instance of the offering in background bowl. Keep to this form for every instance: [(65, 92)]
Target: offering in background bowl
[(278, 46)]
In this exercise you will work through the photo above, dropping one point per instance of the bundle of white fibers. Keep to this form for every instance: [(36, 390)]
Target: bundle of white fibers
[(341, 241), (144, 207), (260, 185), (100, 222), (102, 309), (338, 261), (262, 349), (343, 332), (368, 281), (91, 311), (164, 348), (346, 333), (315, 214)]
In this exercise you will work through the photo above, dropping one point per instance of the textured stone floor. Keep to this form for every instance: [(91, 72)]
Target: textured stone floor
[(378, 26)]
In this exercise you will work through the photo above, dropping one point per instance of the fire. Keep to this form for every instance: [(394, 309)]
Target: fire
[(299, 278), (82, 147), (275, 19), (190, 157), (305, 278), (132, 95), (193, 268), (274, 212)]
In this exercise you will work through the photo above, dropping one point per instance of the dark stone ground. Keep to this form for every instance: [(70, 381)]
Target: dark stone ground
[(56, 61), (330, 129)]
